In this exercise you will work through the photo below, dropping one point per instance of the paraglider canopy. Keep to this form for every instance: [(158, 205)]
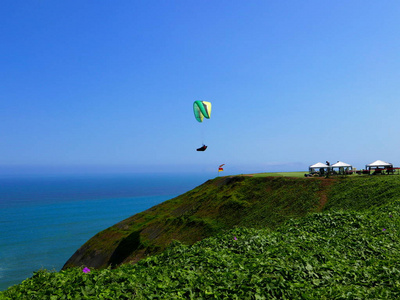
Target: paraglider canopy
[(201, 109)]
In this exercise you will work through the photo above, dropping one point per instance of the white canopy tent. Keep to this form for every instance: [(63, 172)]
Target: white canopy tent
[(379, 166), (379, 163), (343, 167), (322, 168)]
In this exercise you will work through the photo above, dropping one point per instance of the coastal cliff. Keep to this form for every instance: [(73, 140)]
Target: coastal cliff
[(349, 248), (217, 205)]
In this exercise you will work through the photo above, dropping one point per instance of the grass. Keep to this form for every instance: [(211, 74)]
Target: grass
[(330, 255), (300, 174), (362, 192), (266, 240), (219, 204), (281, 174)]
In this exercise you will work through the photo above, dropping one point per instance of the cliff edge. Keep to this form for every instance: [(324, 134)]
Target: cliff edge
[(218, 204)]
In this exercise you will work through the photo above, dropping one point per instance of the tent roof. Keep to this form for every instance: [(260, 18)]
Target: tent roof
[(341, 164), (319, 165), (379, 163)]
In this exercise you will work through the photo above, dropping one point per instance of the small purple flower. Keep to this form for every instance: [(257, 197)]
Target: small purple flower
[(390, 216), (86, 270), (384, 229), (235, 238)]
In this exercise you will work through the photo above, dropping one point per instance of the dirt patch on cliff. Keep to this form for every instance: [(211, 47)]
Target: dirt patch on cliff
[(323, 193)]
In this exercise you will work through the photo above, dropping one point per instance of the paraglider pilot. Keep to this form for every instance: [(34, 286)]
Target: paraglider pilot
[(202, 148)]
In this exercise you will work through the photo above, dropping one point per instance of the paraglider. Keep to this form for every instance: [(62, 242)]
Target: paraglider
[(202, 109), (202, 148)]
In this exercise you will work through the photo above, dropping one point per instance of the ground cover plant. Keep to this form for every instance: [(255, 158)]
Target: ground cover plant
[(328, 255), (282, 174), (362, 192), (218, 204)]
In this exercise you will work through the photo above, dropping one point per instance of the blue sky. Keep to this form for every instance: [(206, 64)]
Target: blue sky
[(109, 85)]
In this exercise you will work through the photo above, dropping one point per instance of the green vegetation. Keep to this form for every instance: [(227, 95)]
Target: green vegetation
[(350, 250), (339, 255), (216, 205), (363, 192), (283, 174)]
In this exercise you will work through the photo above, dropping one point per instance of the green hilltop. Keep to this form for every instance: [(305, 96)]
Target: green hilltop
[(261, 237), (216, 205)]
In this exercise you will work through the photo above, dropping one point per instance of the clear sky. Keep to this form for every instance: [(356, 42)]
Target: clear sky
[(109, 85)]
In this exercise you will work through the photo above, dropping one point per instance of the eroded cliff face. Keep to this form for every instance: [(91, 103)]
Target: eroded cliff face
[(216, 205)]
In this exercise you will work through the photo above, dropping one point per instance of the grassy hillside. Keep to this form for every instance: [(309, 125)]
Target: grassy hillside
[(362, 192), (216, 205), (329, 255), (272, 238), (278, 174)]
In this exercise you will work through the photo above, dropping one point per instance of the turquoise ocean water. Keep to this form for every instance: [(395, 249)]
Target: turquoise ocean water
[(45, 219)]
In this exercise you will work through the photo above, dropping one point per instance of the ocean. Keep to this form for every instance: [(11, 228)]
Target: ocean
[(45, 219)]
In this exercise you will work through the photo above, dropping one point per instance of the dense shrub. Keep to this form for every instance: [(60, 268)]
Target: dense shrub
[(331, 255)]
